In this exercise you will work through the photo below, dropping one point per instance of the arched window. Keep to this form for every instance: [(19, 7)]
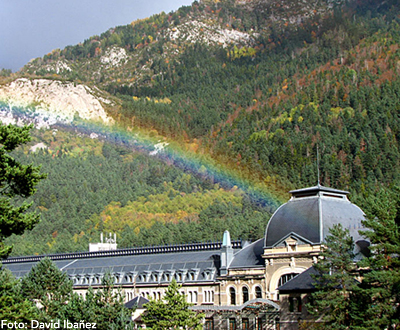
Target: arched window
[(286, 278), (245, 294), (208, 296), (258, 292), (232, 295)]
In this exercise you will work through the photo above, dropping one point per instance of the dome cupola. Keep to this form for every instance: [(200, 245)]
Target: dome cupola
[(311, 212)]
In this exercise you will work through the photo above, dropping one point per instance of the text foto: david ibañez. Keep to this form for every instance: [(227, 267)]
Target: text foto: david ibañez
[(5, 324)]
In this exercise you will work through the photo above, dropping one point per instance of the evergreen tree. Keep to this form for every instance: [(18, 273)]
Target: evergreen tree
[(16, 180), (13, 306), (381, 279), (171, 313), (49, 286), (105, 307), (336, 285)]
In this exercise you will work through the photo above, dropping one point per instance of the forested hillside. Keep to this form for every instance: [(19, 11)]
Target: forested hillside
[(254, 86), (95, 186)]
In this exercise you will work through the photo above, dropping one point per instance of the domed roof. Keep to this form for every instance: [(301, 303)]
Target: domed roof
[(311, 212)]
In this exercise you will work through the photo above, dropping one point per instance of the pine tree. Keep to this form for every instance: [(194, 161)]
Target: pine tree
[(105, 307), (13, 306), (49, 286), (16, 180), (336, 285), (381, 279), (171, 313)]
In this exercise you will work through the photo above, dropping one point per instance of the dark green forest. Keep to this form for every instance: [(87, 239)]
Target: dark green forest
[(94, 186), (330, 80)]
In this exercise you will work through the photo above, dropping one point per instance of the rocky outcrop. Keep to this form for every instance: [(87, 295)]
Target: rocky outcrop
[(51, 101), (197, 31)]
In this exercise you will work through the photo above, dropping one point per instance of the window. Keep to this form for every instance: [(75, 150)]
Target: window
[(232, 324), (209, 324), (232, 295), (286, 278), (192, 296), (208, 296), (258, 292), (245, 324), (245, 293), (295, 304)]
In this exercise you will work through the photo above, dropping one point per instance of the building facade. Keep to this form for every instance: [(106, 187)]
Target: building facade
[(234, 283)]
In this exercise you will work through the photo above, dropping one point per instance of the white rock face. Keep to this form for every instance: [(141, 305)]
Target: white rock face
[(52, 101), (195, 31), (114, 57), (38, 146), (59, 66), (159, 147)]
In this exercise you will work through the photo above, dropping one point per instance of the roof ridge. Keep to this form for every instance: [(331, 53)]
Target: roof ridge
[(187, 247)]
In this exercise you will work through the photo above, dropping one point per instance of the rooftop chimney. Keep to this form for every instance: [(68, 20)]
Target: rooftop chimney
[(107, 244)]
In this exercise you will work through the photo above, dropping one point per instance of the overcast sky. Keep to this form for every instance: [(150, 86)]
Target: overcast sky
[(33, 28)]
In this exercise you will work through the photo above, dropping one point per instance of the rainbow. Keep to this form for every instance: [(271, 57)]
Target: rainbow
[(171, 153)]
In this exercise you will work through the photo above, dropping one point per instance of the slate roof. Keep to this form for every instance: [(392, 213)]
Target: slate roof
[(137, 302), (143, 265), (301, 283), (187, 263), (311, 212), (250, 256)]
